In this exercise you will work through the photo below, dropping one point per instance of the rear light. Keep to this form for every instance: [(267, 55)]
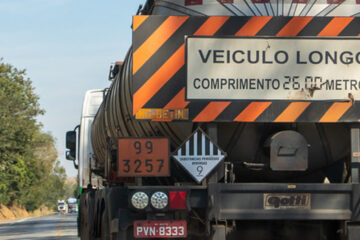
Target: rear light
[(140, 200), (159, 200), (177, 199), (193, 2)]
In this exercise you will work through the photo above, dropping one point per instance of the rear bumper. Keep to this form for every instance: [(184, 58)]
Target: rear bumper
[(246, 201)]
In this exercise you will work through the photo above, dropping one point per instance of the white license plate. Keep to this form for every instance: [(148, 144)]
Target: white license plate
[(160, 229)]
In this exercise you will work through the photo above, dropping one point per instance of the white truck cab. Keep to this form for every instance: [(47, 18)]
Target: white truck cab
[(91, 104), (62, 206)]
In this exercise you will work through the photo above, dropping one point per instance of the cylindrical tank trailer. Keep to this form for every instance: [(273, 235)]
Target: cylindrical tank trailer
[(328, 144)]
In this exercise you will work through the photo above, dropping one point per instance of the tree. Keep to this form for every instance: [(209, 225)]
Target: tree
[(48, 185), (18, 109), (29, 171), (71, 188)]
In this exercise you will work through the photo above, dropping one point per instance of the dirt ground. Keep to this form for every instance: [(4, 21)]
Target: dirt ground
[(17, 212)]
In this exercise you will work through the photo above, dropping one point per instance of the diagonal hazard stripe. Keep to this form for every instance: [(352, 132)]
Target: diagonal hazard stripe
[(252, 111), (253, 26), (273, 111), (156, 81), (335, 26), (292, 112), (171, 66), (138, 20), (211, 111), (352, 29), (314, 111), (232, 111), (211, 26), (352, 114), (273, 26), (146, 29), (164, 52), (178, 101), (232, 26), (294, 26), (315, 26), (334, 113), (156, 40)]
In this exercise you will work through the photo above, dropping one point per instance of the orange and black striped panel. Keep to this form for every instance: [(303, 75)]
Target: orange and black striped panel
[(159, 74)]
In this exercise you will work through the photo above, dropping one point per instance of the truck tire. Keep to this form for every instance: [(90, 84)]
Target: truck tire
[(83, 218), (87, 217), (104, 227)]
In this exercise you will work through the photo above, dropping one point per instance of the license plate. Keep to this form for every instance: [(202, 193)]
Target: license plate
[(143, 157), (160, 229)]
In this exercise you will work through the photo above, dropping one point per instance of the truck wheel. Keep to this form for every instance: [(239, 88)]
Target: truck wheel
[(87, 218), (84, 224), (104, 227), (84, 233)]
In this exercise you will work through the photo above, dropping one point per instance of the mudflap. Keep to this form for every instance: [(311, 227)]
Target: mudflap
[(218, 232), (119, 216), (353, 231), (121, 226)]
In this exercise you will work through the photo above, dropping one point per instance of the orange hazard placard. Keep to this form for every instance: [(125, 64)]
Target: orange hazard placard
[(143, 157)]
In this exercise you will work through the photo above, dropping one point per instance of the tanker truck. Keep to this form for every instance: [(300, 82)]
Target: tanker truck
[(227, 119), (72, 205)]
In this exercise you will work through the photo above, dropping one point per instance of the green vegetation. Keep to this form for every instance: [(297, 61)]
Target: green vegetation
[(30, 174), (71, 188)]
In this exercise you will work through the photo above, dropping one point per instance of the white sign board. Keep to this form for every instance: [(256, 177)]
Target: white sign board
[(315, 69), (199, 156)]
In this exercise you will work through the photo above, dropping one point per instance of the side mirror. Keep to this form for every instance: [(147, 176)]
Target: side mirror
[(76, 166), (115, 69), (71, 145)]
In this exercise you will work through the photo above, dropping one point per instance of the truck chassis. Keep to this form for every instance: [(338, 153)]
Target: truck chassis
[(106, 213)]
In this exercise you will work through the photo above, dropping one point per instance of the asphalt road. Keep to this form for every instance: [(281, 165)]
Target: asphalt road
[(51, 227)]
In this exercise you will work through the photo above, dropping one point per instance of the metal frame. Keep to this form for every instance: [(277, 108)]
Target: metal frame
[(245, 201), (355, 154)]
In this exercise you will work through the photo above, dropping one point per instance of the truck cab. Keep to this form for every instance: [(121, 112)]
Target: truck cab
[(78, 141), (81, 145), (62, 206)]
